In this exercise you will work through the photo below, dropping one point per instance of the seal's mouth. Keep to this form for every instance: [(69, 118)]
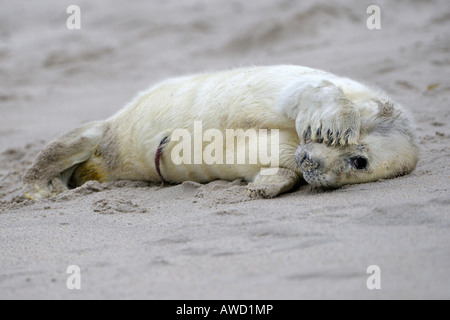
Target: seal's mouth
[(317, 180)]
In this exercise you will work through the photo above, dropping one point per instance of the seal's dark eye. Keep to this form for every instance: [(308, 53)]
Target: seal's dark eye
[(359, 163)]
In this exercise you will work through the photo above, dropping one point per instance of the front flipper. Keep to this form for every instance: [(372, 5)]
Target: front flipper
[(321, 111), (270, 186), (55, 164)]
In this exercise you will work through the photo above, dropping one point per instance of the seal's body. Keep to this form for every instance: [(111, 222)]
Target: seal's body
[(331, 130)]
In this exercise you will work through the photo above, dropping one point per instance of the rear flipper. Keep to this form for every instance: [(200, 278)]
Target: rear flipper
[(55, 164)]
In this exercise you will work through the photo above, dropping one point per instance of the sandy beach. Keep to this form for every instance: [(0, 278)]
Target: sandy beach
[(137, 240)]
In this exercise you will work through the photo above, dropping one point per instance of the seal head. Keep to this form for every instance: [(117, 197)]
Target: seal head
[(387, 148)]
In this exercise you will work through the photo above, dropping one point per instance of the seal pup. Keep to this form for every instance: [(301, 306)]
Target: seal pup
[(327, 129)]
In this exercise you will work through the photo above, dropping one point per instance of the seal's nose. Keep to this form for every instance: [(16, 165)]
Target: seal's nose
[(304, 160)]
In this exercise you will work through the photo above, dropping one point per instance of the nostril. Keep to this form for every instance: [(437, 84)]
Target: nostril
[(305, 156)]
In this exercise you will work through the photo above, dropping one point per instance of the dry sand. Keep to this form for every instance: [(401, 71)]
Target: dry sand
[(137, 240)]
